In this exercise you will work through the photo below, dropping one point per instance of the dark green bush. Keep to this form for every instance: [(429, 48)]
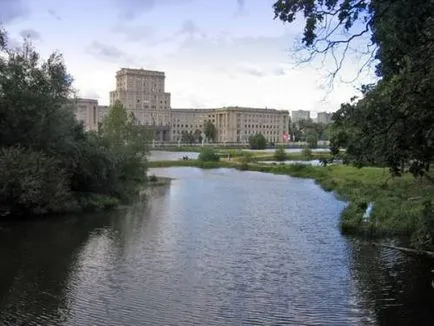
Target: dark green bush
[(31, 183), (280, 154), (153, 178), (257, 141), (207, 154)]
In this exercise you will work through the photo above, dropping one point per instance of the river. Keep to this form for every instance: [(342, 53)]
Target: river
[(216, 247)]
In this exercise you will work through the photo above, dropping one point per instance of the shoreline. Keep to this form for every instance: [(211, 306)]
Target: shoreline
[(397, 202)]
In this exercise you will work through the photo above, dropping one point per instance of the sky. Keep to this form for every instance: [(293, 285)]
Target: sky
[(214, 53)]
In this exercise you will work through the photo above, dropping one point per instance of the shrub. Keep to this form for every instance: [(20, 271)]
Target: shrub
[(32, 183), (257, 141), (307, 153), (153, 178), (207, 154), (280, 154), (423, 237)]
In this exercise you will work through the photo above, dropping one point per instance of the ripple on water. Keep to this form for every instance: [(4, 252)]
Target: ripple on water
[(217, 247)]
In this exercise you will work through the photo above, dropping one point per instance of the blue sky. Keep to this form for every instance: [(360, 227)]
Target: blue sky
[(214, 53)]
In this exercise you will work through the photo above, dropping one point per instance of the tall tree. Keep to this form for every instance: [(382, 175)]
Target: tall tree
[(210, 131), (393, 123)]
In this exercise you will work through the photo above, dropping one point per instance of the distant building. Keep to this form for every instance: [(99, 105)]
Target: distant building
[(142, 94), (233, 124), (299, 115), (87, 112), (324, 118)]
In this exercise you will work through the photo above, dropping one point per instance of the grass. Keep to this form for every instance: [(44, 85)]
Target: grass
[(398, 202)]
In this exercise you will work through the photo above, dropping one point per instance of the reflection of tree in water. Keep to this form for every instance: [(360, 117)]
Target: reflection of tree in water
[(395, 286), (36, 258), (40, 259)]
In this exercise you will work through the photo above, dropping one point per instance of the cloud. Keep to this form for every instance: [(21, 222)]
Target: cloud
[(262, 72), (134, 33), (53, 14), (130, 9), (30, 33), (241, 5), (254, 71), (189, 27), (11, 10), (106, 52)]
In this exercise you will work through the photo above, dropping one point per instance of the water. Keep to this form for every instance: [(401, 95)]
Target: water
[(217, 247)]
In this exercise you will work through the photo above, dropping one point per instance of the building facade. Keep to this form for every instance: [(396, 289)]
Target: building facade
[(233, 124), (299, 115), (142, 93), (324, 118), (86, 111)]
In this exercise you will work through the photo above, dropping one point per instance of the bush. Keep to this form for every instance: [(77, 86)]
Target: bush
[(280, 154), (207, 154), (153, 178), (307, 153), (257, 141), (423, 237), (32, 183)]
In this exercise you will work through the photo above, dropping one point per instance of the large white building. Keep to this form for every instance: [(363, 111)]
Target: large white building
[(142, 92)]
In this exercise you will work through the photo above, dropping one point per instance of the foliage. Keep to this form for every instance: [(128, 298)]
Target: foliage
[(280, 154), (257, 141), (423, 237), (48, 162), (309, 131), (245, 159), (153, 178), (392, 124), (307, 153), (127, 141), (31, 182), (187, 137), (208, 154), (312, 140), (210, 131)]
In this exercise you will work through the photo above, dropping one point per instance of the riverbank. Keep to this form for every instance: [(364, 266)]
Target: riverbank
[(397, 202)]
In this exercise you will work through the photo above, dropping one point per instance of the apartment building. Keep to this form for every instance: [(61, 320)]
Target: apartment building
[(324, 117), (142, 92), (233, 124), (299, 115)]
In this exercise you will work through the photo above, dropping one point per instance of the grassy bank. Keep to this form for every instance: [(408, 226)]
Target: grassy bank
[(398, 202)]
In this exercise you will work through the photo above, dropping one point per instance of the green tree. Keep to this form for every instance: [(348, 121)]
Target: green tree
[(392, 124), (197, 136), (280, 154), (257, 141), (187, 137), (208, 154), (312, 140), (127, 142), (210, 131)]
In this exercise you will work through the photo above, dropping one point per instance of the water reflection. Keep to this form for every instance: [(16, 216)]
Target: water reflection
[(217, 247)]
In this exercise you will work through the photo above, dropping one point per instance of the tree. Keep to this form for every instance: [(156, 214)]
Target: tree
[(208, 154), (280, 154), (257, 141), (187, 137), (392, 125), (197, 136), (48, 162), (210, 131)]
